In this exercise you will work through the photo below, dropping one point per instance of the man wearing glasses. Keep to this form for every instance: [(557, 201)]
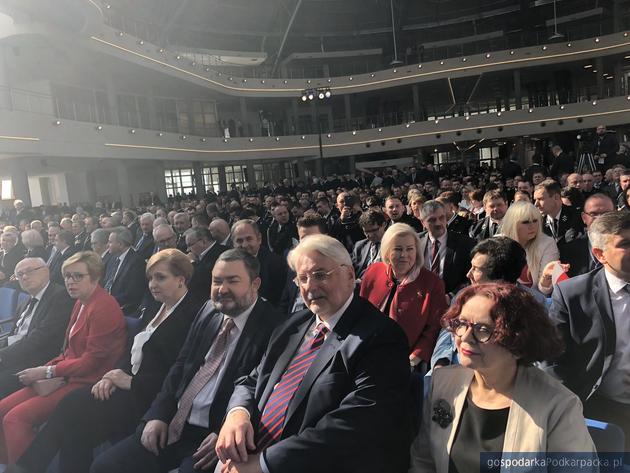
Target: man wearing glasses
[(40, 324), (332, 392)]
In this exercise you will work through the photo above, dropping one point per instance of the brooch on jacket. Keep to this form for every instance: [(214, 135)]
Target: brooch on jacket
[(442, 413)]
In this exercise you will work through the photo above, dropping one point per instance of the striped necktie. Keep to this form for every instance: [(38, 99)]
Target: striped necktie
[(435, 258), (275, 412)]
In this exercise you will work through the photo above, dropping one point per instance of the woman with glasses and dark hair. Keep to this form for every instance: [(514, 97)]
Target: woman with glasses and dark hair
[(112, 408), (496, 405), (95, 340), (404, 290)]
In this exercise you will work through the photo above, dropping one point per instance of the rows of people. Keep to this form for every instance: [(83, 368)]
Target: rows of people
[(293, 330)]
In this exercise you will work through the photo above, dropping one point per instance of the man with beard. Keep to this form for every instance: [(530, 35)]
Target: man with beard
[(226, 341)]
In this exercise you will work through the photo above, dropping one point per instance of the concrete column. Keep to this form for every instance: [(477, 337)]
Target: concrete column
[(415, 90), (247, 126), (295, 116), (251, 175), (599, 66), (124, 189), (19, 181), (319, 167), (222, 179), (5, 81), (112, 102), (352, 164), (200, 188), (160, 181), (348, 111), (90, 179), (517, 89), (301, 170), (617, 79)]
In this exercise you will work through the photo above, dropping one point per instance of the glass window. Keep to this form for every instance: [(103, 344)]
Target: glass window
[(179, 181), (6, 189), (211, 179)]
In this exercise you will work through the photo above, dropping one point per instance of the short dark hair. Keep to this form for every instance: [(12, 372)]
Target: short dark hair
[(451, 197), (66, 236), (202, 219), (506, 258), (200, 233), (574, 195), (521, 324), (252, 265), (371, 217), (550, 186), (313, 220)]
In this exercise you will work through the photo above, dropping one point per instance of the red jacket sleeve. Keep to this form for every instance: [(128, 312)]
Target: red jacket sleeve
[(434, 307)]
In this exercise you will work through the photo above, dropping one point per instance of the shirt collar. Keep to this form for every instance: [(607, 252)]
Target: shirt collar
[(614, 283), (39, 295), (334, 318), (241, 319), (122, 256), (203, 253), (442, 239), (169, 312)]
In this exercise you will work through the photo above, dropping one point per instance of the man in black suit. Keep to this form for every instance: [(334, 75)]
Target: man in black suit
[(273, 268), (324, 209), (40, 326), (226, 341), (203, 252), (181, 223), (455, 222), (81, 237), (332, 392), (579, 252), (282, 233), (446, 253), (562, 163), (124, 275), (10, 254), (605, 147), (63, 249), (397, 213), (591, 312), (144, 244), (495, 206), (560, 221), (368, 251), (130, 220)]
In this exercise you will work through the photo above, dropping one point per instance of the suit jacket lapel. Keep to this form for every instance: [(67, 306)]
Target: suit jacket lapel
[(603, 307), (293, 342), (449, 255)]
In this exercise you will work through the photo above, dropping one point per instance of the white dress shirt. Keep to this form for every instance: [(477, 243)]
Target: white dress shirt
[(200, 411), (144, 336), (616, 382)]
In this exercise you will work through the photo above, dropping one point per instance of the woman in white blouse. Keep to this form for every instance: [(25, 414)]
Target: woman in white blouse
[(113, 407)]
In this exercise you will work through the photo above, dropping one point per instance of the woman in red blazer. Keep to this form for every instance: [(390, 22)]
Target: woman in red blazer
[(95, 340), (404, 290)]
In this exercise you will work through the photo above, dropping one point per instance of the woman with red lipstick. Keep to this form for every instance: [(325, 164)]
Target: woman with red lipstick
[(496, 404), (523, 223)]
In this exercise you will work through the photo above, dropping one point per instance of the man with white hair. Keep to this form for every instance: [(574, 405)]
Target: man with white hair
[(40, 324), (332, 392), (21, 212), (145, 244), (10, 254)]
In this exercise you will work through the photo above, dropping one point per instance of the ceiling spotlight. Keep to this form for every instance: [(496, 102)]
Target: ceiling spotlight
[(57, 122), (464, 59), (354, 132), (132, 131), (160, 133), (441, 63), (99, 127), (262, 81), (310, 96), (183, 137), (350, 78), (203, 140), (328, 135), (371, 75), (327, 93), (320, 95), (304, 98), (569, 45), (251, 140), (329, 81), (512, 53), (594, 102), (244, 80), (597, 40), (561, 107), (380, 130), (225, 140), (625, 35), (437, 121), (285, 81), (498, 114), (161, 50), (395, 71), (277, 138), (303, 137), (407, 125), (120, 33), (467, 117), (628, 97), (530, 110), (207, 69), (108, 7), (178, 57), (544, 48), (308, 81), (141, 42), (487, 55), (419, 66)]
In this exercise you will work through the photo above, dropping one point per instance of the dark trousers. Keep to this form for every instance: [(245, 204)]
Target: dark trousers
[(607, 410), (78, 424), (9, 383), (130, 456)]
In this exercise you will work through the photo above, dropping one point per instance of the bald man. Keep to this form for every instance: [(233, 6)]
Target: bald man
[(40, 326), (220, 231)]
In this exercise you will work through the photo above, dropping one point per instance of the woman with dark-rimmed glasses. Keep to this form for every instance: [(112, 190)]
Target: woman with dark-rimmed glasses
[(496, 404)]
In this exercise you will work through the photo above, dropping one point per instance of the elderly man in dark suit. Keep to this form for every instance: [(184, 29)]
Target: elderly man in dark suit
[(273, 268), (226, 341), (446, 253), (63, 249), (124, 275), (40, 324), (332, 392), (10, 254), (203, 251), (368, 251), (144, 243), (591, 312)]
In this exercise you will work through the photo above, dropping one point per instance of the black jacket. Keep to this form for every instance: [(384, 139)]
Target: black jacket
[(273, 274), (9, 260), (570, 226), (579, 256), (56, 264), (202, 275), (130, 283), (280, 238), (456, 259)]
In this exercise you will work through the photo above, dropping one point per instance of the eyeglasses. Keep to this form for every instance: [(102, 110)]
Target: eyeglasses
[(76, 277), (320, 277), (480, 332), (26, 272)]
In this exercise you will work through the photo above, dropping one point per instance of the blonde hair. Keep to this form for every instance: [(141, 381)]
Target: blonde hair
[(94, 263), (177, 262), (518, 212), (400, 230)]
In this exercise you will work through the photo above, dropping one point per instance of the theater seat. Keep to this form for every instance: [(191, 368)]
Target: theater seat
[(606, 437), (8, 305)]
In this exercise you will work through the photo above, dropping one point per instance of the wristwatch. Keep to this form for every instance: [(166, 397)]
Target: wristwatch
[(49, 372)]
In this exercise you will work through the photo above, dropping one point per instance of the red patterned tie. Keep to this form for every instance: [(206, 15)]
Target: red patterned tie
[(214, 359), (275, 412)]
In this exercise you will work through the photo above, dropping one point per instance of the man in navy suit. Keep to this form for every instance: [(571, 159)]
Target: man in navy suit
[(63, 248), (203, 251), (144, 243), (124, 275), (591, 312), (158, 444), (332, 391), (368, 251)]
